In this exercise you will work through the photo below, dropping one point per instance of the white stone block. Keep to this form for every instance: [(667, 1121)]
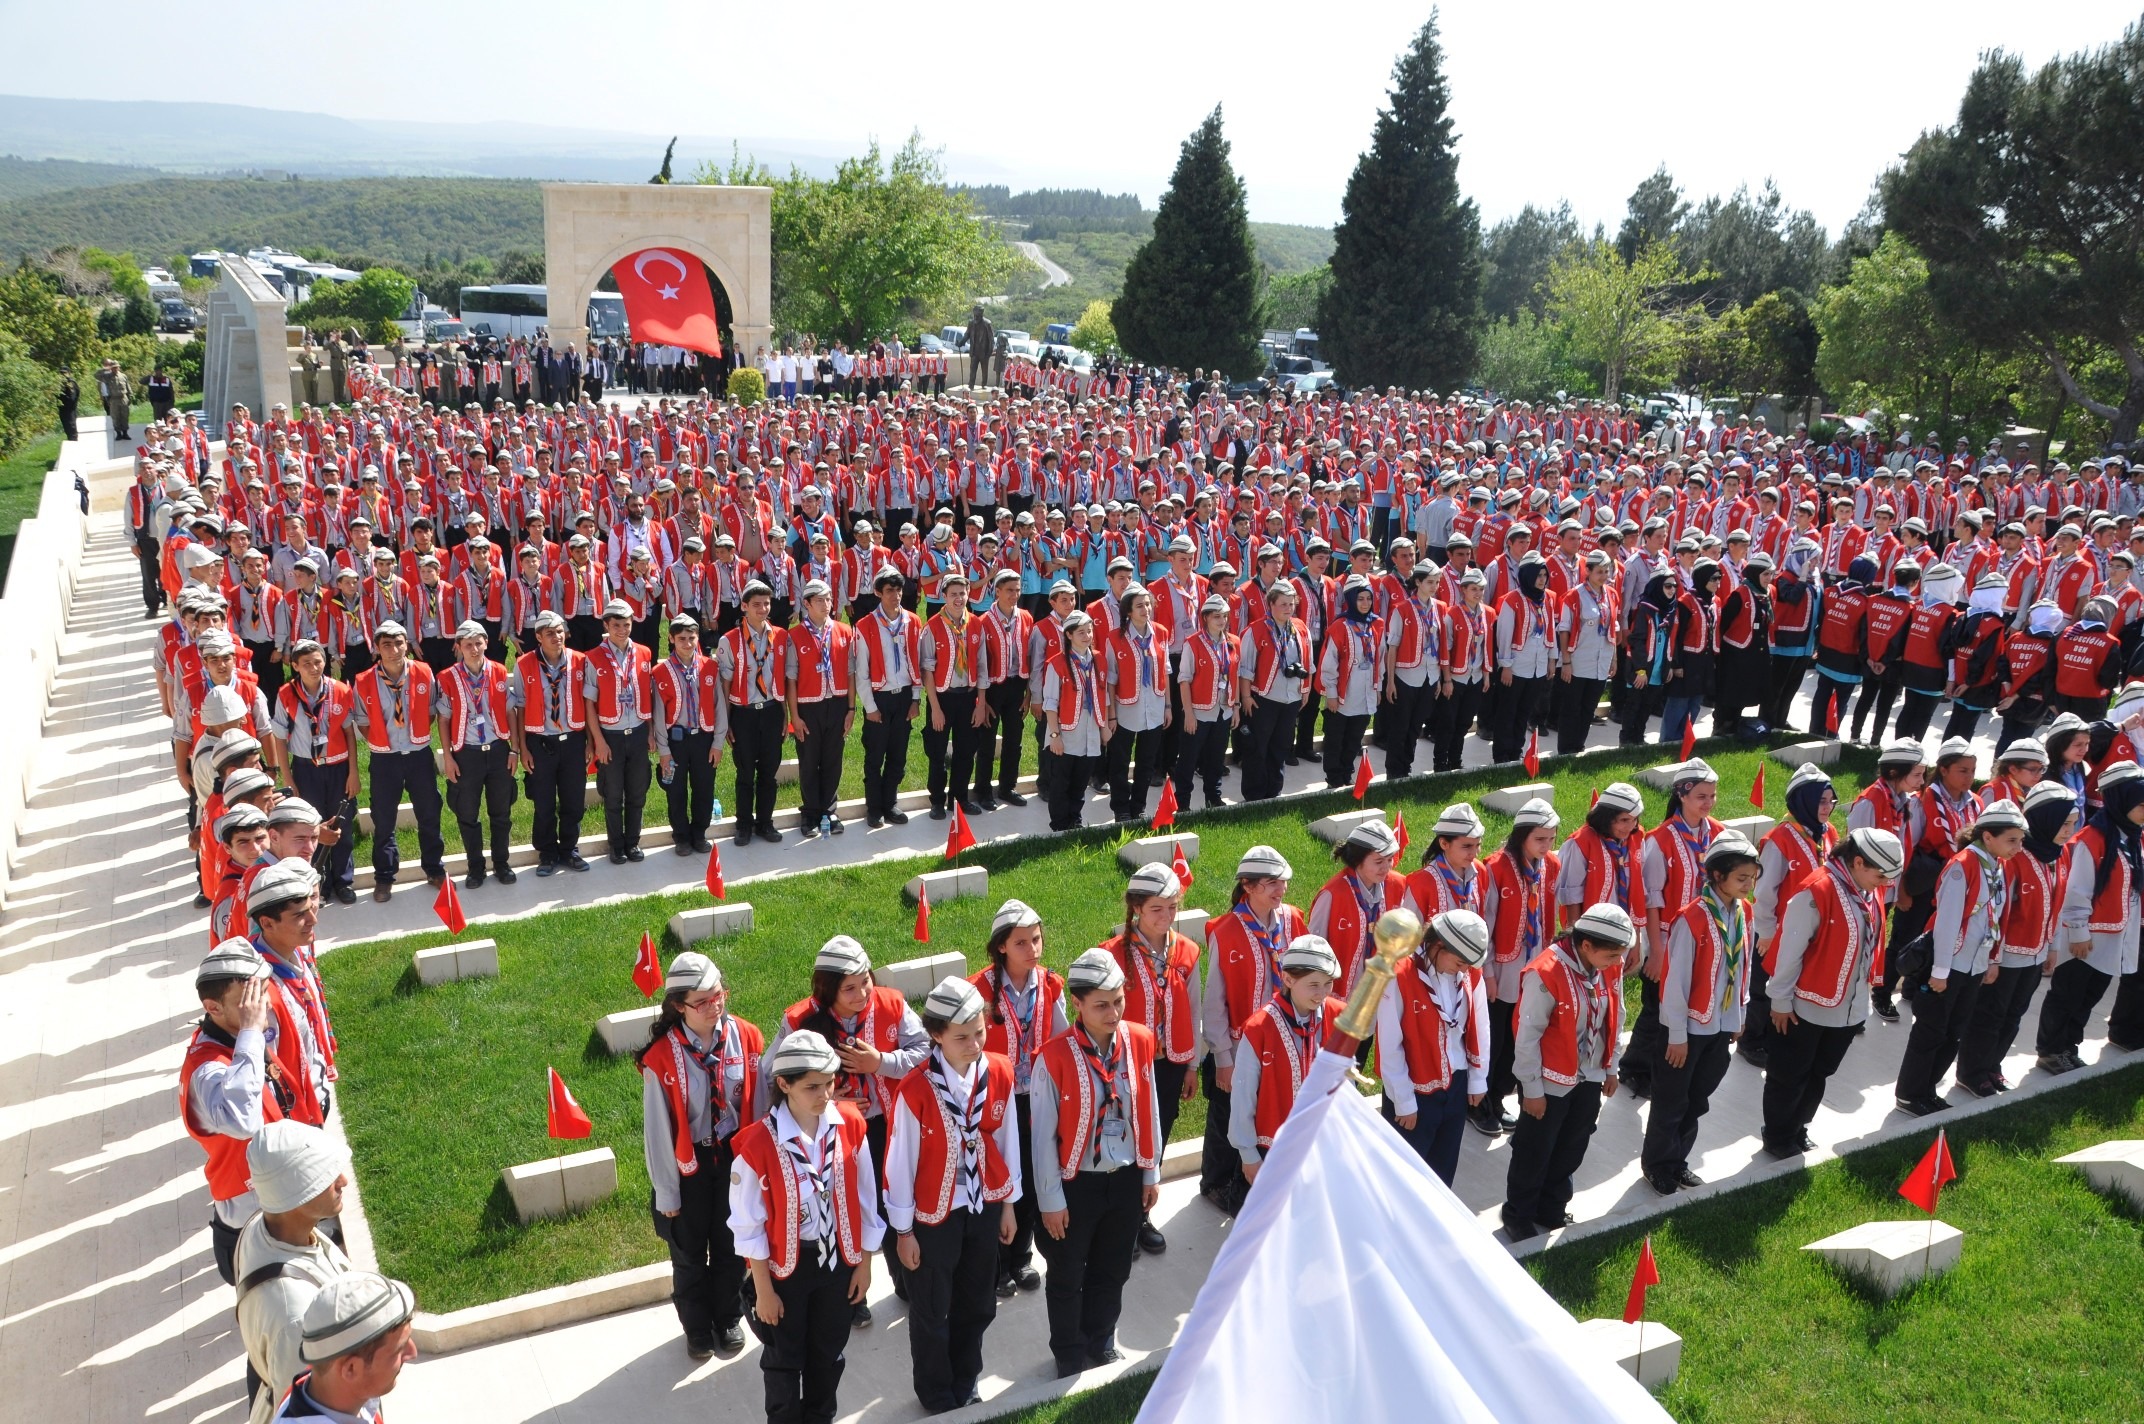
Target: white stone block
[(1660, 777), (436, 966), (1824, 753), (586, 1178), (1159, 850), (1191, 924), (2113, 1167), (710, 922), (1334, 829), (1891, 1255), (1754, 828), (962, 882), (477, 959), (537, 1189), (1508, 801), (627, 1031), (1648, 1351), (917, 977)]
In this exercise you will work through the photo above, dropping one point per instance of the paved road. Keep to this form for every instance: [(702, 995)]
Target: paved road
[(1052, 274)]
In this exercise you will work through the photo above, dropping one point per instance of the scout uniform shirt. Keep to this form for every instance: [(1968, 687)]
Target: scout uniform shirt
[(1537, 1005), (554, 702), (395, 698), (723, 1051), (1113, 1145)]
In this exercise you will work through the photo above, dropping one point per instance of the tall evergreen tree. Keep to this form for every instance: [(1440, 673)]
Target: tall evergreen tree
[(1191, 292), (1405, 304)]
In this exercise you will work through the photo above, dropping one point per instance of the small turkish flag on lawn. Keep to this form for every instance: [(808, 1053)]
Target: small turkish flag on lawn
[(1647, 1274), (564, 1117), (923, 913), (448, 906), (1689, 738), (1533, 753), (1831, 717), (1181, 866), (1165, 813), (668, 300), (1399, 829), (1756, 788), (1925, 1183), (957, 836), (647, 969), (1596, 799), (715, 887), (1362, 775)]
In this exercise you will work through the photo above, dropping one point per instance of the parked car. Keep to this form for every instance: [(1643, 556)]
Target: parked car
[(174, 315), (447, 330), (953, 338)]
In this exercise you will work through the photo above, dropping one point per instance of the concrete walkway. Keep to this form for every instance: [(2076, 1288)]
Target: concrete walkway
[(109, 1304)]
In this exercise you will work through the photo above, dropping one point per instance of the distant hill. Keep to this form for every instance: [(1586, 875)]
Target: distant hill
[(409, 219), (1289, 247), (27, 177)]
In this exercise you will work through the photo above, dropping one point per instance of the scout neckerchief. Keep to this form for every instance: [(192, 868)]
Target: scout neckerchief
[(1103, 1068), (759, 656), (967, 1122), (688, 702), (1142, 641), (1270, 942), (1152, 966), (1463, 890), (1299, 1035), (474, 698), (554, 688), (1024, 1031), (1951, 815), (1224, 666), (1994, 893), (1693, 844), (1015, 651), (1534, 894), (1086, 684), (1619, 856), (1591, 990), (822, 642), (713, 1062), (892, 623), (294, 978), (397, 692), (813, 1168), (957, 636), (432, 612), (1476, 617), (1284, 653), (1731, 923)]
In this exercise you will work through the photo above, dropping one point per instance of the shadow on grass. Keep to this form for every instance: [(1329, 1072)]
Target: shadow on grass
[(407, 985)]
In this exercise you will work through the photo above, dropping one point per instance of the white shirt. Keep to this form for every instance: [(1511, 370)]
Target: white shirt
[(905, 1136), (748, 1200)]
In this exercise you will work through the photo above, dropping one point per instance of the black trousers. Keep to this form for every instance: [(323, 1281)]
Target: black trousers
[(1220, 1166), (268, 670), (1265, 756), (1797, 1066), (149, 554), (1168, 1091), (1132, 763), (819, 756), (558, 790), (1179, 719), (223, 1246), (1546, 1151), (952, 753), (1788, 670), (756, 750), (1965, 720), (1087, 1269), (2125, 1023), (1880, 691), (1640, 706), (583, 631), (1680, 1098), (2072, 995), (1453, 718), (1306, 725), (1994, 1024), (393, 774), (325, 788), (1018, 1254), (1828, 709), (952, 1298), (706, 1273), (1001, 739), (691, 786), (1757, 1016), (1920, 710), (802, 1356), (1581, 696), (1646, 1039), (1343, 746), (1069, 784), (1440, 1126), (1503, 1047), (1517, 707), (1203, 755), (1401, 720), (484, 783), (1939, 1023), (623, 784), (886, 750)]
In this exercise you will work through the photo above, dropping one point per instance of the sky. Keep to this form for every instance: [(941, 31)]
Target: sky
[(1552, 101)]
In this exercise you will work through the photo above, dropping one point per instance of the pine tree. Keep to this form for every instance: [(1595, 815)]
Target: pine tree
[(1404, 306), (1191, 292)]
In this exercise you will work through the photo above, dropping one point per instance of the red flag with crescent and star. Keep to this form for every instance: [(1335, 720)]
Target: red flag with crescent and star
[(668, 299)]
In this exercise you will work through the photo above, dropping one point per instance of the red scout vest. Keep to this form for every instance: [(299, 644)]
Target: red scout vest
[(452, 683), (605, 658), (332, 746), (756, 1148), (1248, 969), (1559, 1041), (573, 714), (228, 1175), (1284, 1060), (936, 1168), (1422, 1029), (1167, 999), (1344, 928), (1711, 953), (809, 646), (701, 684), (1077, 1110), (1831, 954), (417, 682), (666, 1058), (1503, 884), (880, 1027)]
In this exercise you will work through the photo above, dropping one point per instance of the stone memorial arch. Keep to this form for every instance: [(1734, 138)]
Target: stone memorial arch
[(587, 227)]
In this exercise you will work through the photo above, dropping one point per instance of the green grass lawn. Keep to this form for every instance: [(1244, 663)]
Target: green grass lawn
[(2036, 1323), (22, 481), (443, 1087)]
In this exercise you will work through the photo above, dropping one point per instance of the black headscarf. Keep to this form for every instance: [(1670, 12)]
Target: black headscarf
[(1533, 581), (1659, 593), (2042, 824), (1802, 806), (2118, 832)]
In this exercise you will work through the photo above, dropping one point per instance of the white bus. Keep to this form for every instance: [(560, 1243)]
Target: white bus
[(522, 309)]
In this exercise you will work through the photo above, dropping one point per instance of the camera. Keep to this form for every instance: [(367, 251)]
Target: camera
[(1296, 671)]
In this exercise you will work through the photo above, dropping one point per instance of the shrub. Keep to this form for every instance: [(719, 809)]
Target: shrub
[(136, 356), (184, 363), (747, 386), (29, 394)]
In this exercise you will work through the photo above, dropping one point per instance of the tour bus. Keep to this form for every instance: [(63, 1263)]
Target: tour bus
[(520, 309)]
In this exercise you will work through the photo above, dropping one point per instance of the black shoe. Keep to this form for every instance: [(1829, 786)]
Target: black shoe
[(1027, 1278), (1998, 1082), (474, 880), (937, 814), (1782, 1149), (635, 856), (985, 804), (1107, 1355), (1068, 1368), (2057, 1063), (617, 857), (548, 868), (1979, 1087), (1756, 1058), (969, 808), (1921, 1107), (1558, 1223), (743, 836), (1012, 798), (347, 894), (875, 821), (2113, 1042), (505, 875), (1520, 1230), (860, 1318), (729, 1341), (809, 833), (201, 901), (1688, 1178), (897, 818), (681, 845), (1151, 1240), (1488, 1124), (833, 825), (573, 860), (1006, 1289), (1663, 1183), (768, 834), (973, 1396), (700, 1347), (382, 891), (1215, 803), (1880, 1001)]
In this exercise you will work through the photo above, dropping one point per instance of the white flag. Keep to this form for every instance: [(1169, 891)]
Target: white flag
[(1355, 1287)]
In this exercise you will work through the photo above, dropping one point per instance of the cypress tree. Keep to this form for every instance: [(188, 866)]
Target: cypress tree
[(1191, 292), (1404, 305)]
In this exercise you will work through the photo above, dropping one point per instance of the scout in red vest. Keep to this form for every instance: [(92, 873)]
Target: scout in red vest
[(1210, 661), (242, 832), (1518, 904), (1347, 907), (1433, 1038), (952, 1175), (283, 904), (475, 708), (2032, 906), (1602, 861), (1026, 1010), (1673, 866), (804, 1214), (228, 1086), (876, 1036), (701, 1074), (1570, 1006), (618, 686), (1094, 1161), (1161, 969), (312, 712), (1788, 854), (1830, 946), (1711, 951), (2098, 934), (1279, 1044), (393, 708), (691, 721), (822, 712), (1242, 971), (1449, 877)]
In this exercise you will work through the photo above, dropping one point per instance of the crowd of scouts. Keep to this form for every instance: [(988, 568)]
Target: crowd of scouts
[(1163, 587)]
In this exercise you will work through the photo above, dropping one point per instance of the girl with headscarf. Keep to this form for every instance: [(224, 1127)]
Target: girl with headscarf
[(1790, 853), (1649, 645), (1976, 673), (1694, 640), (2028, 664), (1745, 645), (1924, 667), (1350, 676), (2097, 937), (2028, 940), (1797, 606), (1526, 658)]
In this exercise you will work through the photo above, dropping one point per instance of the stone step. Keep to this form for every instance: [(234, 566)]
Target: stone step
[(469, 959)]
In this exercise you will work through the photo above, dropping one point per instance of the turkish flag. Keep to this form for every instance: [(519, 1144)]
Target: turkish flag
[(957, 836), (668, 299), (1596, 799), (1362, 775), (715, 886), (1179, 865), (1756, 789), (647, 969), (1689, 739), (1925, 1183), (923, 913), (448, 906), (563, 1117), (1399, 829), (1831, 717), (1647, 1274), (1533, 752), (1165, 813)]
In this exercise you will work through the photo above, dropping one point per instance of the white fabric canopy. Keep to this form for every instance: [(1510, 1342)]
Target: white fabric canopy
[(1355, 1287)]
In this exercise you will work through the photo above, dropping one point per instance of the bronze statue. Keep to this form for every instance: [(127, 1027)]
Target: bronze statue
[(982, 345)]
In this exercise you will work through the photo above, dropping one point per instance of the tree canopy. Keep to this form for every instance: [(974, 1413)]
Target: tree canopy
[(1191, 294)]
